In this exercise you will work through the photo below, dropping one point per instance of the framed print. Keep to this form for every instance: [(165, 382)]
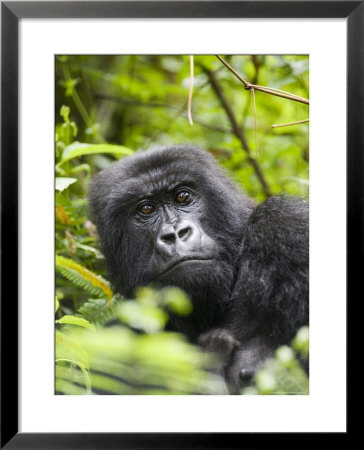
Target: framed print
[(64, 65)]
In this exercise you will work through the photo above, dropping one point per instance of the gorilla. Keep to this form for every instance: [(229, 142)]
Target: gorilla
[(171, 217)]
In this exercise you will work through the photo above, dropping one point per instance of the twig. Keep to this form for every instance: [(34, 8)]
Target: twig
[(189, 105), (237, 130), (238, 76), (266, 89), (255, 122), (279, 93), (290, 123)]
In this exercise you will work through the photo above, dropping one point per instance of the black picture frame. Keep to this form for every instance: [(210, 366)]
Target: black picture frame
[(11, 12)]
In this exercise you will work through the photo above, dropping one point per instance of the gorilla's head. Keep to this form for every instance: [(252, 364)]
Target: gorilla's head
[(170, 216)]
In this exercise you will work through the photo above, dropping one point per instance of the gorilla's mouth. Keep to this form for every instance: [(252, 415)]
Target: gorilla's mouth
[(188, 259)]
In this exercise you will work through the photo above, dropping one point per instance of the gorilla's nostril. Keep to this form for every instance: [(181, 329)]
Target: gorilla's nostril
[(184, 233), (246, 375), (169, 238)]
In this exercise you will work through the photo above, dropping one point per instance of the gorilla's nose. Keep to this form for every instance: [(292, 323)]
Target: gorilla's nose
[(178, 238)]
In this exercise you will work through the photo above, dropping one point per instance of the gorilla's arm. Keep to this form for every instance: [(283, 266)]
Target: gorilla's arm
[(270, 296)]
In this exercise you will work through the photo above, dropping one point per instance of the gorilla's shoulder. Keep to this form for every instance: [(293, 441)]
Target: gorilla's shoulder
[(281, 211), (279, 226)]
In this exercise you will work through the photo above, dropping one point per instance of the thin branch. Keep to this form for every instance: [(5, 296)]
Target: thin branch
[(189, 105), (266, 89), (279, 93), (238, 76), (236, 129), (255, 122), (291, 123)]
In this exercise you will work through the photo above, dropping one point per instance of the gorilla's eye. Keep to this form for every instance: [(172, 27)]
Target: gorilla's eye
[(183, 197), (147, 208)]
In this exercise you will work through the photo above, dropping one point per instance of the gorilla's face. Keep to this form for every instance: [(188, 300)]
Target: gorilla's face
[(169, 219)]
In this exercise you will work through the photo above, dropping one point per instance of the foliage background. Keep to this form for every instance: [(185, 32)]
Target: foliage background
[(109, 106)]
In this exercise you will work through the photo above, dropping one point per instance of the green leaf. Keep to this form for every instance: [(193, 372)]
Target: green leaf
[(96, 310), (81, 167), (176, 300), (73, 320), (301, 341), (142, 317), (70, 349), (65, 113), (62, 183), (78, 149), (89, 249), (68, 355)]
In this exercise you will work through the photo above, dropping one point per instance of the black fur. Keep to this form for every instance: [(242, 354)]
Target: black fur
[(244, 266)]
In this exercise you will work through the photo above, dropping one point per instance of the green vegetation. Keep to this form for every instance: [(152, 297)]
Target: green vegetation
[(108, 107)]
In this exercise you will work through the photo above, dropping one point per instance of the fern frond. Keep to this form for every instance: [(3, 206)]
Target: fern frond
[(96, 311), (83, 277), (77, 280)]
